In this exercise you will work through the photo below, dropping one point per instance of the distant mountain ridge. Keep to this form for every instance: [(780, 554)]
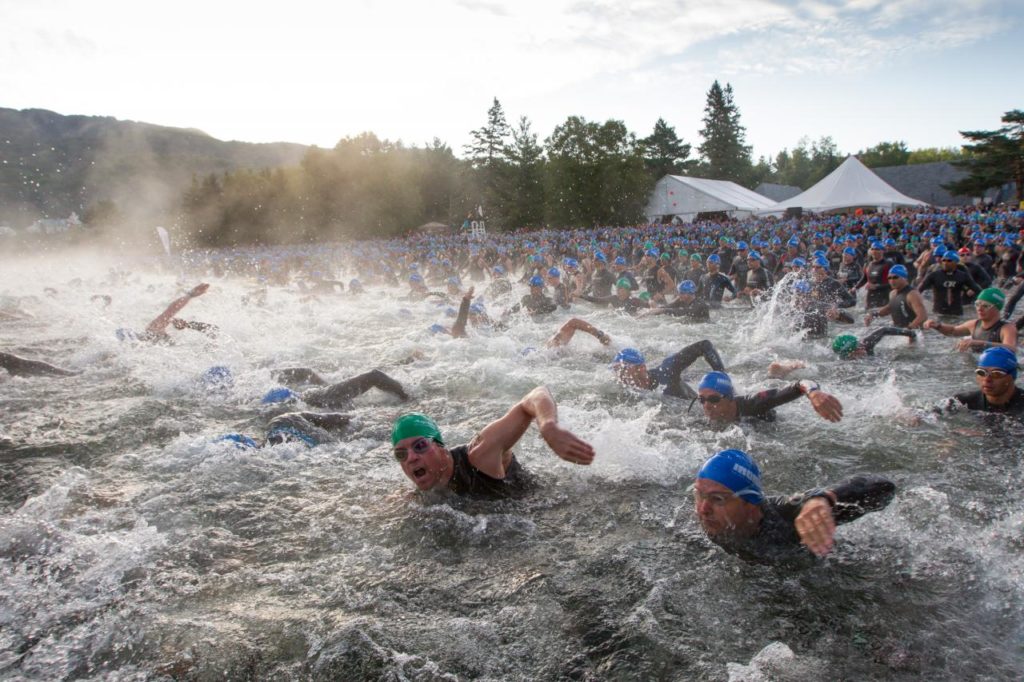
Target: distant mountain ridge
[(51, 164)]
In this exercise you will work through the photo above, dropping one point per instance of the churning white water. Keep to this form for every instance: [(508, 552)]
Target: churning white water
[(134, 545)]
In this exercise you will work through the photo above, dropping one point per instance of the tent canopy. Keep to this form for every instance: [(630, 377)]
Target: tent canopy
[(852, 185), (679, 195)]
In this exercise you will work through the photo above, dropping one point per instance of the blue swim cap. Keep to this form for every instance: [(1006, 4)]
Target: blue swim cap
[(553, 272), (415, 277), (802, 286), (477, 309), (794, 242), (241, 441), (741, 246), (218, 375), (890, 242), (619, 260), (753, 255), (850, 251), (355, 284), (279, 395), (898, 271), (714, 258), (572, 263), (999, 358), (737, 471), (951, 255), (125, 334), (601, 257), (437, 329), (821, 262), (536, 281), (454, 280), (799, 263), (630, 356), (499, 270), (652, 252), (687, 287), (877, 246), (718, 382)]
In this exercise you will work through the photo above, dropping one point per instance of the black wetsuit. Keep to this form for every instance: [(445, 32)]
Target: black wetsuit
[(762, 405), (712, 288), (876, 273), (869, 342), (900, 310), (990, 335), (695, 310), (975, 400), (849, 274), (815, 319), (830, 291), (535, 305), (777, 541), (670, 370), (948, 289), (341, 394), (739, 270), (759, 279), (601, 282), (17, 366), (312, 428), (471, 482)]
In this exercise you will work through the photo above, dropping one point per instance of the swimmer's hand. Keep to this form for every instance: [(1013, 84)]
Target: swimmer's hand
[(198, 290), (816, 526), (964, 345), (827, 405), (566, 445), (469, 294)]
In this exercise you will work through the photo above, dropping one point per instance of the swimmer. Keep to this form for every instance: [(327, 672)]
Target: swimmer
[(848, 347), (486, 467), (988, 330), (721, 404), (622, 298), (631, 370), (565, 333), (332, 396), (737, 516), (905, 303), (535, 302), (22, 367), (311, 428), (997, 392), (157, 329), (686, 305)]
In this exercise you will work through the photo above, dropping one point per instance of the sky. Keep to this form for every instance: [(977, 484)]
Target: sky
[(860, 71)]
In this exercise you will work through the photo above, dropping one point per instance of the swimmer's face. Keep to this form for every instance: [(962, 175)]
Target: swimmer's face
[(753, 263), (622, 293), (877, 254), (634, 376), (424, 461), (686, 298), (896, 282), (818, 273), (712, 267), (716, 406), (719, 510), (986, 311), (996, 382), (948, 265)]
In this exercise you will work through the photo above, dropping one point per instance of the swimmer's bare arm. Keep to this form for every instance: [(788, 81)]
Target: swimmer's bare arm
[(566, 332), (491, 451), (158, 325), (459, 328)]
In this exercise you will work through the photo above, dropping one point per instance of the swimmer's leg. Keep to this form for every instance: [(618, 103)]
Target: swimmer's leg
[(295, 376), (27, 368), (340, 394)]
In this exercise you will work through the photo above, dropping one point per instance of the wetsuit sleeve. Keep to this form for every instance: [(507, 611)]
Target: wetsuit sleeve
[(970, 283), (844, 298), (599, 300), (671, 369), (1012, 302), (926, 283), (727, 283), (856, 496), (328, 421), (761, 403), (459, 328), (340, 394), (844, 317), (871, 340)]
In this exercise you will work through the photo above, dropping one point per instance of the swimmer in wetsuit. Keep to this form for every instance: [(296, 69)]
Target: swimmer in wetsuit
[(848, 347), (905, 303), (722, 405), (486, 467), (997, 392), (157, 329), (22, 367), (622, 298), (686, 305), (631, 370), (535, 302), (311, 428), (987, 331), (739, 518), (333, 396)]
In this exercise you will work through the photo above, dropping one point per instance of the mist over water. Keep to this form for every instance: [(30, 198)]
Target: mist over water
[(133, 545)]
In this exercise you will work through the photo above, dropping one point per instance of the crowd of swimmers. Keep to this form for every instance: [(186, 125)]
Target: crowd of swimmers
[(812, 269)]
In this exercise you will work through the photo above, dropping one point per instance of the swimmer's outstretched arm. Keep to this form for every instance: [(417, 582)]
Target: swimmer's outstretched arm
[(459, 328), (158, 325), (564, 335), (491, 450), (17, 366)]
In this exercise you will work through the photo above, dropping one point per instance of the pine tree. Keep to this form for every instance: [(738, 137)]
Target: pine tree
[(525, 205), (996, 157), (489, 142), (664, 153), (723, 152)]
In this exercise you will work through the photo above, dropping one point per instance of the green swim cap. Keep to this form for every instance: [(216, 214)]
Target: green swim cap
[(844, 345), (695, 256), (624, 284), (994, 296), (645, 296), (415, 424)]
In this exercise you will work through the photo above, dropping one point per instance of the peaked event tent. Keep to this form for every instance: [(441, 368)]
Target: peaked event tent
[(683, 197), (852, 185)]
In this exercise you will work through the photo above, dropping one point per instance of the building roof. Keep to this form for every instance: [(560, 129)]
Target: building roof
[(777, 192), (924, 181), (683, 195)]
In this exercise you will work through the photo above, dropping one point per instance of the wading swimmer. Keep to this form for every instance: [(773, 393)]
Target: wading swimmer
[(486, 467), (739, 518), (997, 391), (721, 404)]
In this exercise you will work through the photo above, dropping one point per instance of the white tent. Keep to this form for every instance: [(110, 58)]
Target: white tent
[(852, 185), (683, 198)]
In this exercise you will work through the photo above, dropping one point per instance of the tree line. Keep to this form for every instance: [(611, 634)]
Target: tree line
[(585, 173)]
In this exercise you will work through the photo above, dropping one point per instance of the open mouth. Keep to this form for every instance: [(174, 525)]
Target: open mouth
[(419, 473)]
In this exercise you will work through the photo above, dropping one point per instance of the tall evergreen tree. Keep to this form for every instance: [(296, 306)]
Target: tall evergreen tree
[(525, 205), (724, 154), (664, 153), (996, 157), (488, 154)]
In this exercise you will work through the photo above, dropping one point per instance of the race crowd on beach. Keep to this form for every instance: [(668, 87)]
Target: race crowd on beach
[(955, 272)]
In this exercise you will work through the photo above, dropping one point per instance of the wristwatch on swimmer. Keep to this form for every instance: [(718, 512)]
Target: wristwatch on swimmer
[(808, 386)]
